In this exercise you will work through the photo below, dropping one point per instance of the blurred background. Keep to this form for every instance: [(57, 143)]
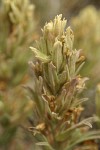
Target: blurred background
[(20, 25)]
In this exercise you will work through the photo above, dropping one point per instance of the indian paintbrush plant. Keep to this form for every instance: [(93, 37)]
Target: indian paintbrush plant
[(56, 91)]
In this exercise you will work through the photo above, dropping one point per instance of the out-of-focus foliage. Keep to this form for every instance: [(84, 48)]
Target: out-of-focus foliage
[(16, 34), (56, 91), (87, 35), (16, 29), (14, 109)]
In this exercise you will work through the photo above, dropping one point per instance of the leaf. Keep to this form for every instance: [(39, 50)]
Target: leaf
[(68, 73), (39, 55), (72, 63), (36, 98), (57, 55), (54, 82), (41, 45), (62, 77), (79, 68), (44, 142), (87, 136), (64, 135), (69, 38), (79, 101), (60, 100), (47, 108)]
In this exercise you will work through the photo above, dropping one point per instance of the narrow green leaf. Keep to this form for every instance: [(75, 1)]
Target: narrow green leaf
[(57, 55), (79, 68), (54, 82), (42, 57)]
